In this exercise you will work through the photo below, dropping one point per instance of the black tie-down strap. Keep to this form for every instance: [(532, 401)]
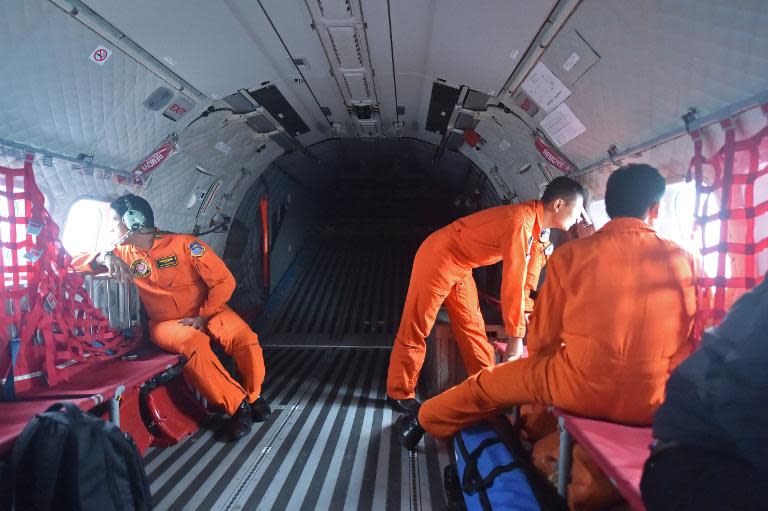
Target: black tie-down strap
[(472, 481)]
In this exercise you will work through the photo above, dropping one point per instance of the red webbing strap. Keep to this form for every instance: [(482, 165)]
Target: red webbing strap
[(702, 291), (725, 209), (57, 306), (733, 172), (16, 271)]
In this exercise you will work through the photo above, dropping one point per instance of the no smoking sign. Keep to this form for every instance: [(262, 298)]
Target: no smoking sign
[(100, 55)]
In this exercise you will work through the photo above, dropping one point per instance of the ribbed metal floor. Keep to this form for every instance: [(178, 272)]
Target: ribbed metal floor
[(328, 445), (346, 293)]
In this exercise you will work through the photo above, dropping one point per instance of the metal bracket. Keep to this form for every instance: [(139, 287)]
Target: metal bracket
[(114, 406), (564, 459), (689, 117), (451, 121), (257, 136), (237, 118), (277, 125), (612, 152)]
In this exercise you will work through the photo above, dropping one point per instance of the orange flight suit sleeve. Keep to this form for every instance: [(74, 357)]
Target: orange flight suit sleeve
[(546, 321), (514, 247), (535, 264), (213, 271), (691, 307), (85, 262)]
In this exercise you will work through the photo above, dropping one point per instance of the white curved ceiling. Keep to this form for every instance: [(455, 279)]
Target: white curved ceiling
[(654, 60)]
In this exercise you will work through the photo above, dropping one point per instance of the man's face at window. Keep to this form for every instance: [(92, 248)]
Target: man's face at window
[(118, 227)]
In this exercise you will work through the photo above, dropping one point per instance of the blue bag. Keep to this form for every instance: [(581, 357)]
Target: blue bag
[(493, 477)]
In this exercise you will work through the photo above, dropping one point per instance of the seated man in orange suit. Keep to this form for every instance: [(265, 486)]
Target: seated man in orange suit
[(612, 321), (184, 287)]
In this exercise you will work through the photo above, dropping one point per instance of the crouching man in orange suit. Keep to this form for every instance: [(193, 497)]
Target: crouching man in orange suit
[(442, 272), (612, 321), (184, 287)]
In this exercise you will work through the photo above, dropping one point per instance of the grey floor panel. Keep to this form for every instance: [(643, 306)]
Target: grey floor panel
[(329, 445), (345, 294)]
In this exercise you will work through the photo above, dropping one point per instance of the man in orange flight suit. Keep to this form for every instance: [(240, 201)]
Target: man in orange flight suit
[(612, 321), (442, 272), (184, 287), (541, 249)]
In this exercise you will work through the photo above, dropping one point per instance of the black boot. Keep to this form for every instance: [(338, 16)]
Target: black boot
[(409, 431), (404, 405), (240, 423), (260, 410)]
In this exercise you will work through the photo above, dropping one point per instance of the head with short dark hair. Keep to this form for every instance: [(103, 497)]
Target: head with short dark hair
[(564, 188), (130, 201), (563, 201), (632, 190)]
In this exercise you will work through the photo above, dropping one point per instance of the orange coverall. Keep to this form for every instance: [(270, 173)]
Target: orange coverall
[(612, 321), (181, 277), (535, 264), (442, 272)]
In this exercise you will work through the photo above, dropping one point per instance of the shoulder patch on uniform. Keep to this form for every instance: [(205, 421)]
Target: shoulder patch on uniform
[(166, 262), (196, 249), (141, 268)]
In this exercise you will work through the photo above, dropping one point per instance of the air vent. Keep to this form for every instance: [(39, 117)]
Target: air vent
[(363, 111), (326, 111), (159, 99)]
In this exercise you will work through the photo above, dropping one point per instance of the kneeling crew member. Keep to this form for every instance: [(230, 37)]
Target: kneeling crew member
[(442, 272)]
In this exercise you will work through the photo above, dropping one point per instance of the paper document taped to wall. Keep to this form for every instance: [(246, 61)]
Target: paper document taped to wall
[(545, 88), (562, 126)]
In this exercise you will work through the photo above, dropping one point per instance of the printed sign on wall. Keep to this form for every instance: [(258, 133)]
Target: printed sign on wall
[(150, 163), (545, 88), (551, 155), (100, 55)]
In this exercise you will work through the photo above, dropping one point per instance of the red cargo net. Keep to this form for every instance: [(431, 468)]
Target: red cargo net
[(46, 317), (731, 207)]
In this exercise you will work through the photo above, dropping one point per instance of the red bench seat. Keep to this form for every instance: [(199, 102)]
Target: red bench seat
[(619, 450)]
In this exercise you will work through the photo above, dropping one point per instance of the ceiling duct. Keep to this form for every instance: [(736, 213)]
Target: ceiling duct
[(342, 32)]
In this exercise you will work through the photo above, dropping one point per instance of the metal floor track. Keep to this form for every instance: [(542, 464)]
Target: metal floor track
[(328, 445), (347, 293)]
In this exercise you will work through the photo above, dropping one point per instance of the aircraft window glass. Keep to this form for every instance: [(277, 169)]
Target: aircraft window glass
[(676, 222), (597, 213), (87, 228)]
